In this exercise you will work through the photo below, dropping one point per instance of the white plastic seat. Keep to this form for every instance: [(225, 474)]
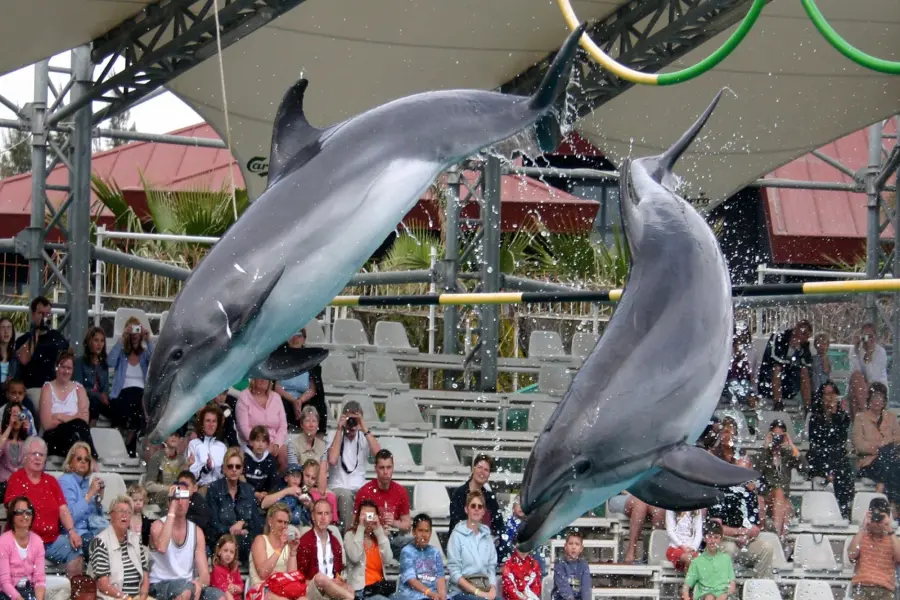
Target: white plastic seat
[(163, 317), (431, 498), (337, 371), (370, 413), (122, 316), (760, 589), (381, 373), (812, 589), (114, 486), (403, 412), (554, 380), (583, 343), (403, 460), (779, 560), (350, 332), (315, 334), (813, 553), (615, 506), (861, 505), (659, 543), (545, 344), (391, 337), (739, 418), (821, 509), (538, 415), (439, 454), (110, 445)]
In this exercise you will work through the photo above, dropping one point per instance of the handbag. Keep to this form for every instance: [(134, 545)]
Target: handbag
[(83, 588), (287, 585), (479, 581), (379, 588)]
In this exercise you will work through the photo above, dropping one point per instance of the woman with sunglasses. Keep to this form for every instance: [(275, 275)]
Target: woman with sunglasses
[(232, 505), (83, 494), (22, 574), (471, 555)]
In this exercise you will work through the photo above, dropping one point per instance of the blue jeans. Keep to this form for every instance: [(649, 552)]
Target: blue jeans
[(61, 550)]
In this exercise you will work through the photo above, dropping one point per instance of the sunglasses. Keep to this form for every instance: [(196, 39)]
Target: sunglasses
[(23, 512), (476, 506), (81, 459), (234, 466)]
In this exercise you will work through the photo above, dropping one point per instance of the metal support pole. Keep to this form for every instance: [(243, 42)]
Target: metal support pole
[(98, 279), (449, 269), (490, 273), (34, 235), (79, 253), (873, 248)]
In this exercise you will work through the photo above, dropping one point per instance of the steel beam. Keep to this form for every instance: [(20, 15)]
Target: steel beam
[(489, 321), (163, 41), (873, 237), (894, 375), (34, 235), (449, 269)]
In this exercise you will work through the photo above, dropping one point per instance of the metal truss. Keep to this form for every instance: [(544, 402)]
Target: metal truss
[(646, 35), (163, 41)]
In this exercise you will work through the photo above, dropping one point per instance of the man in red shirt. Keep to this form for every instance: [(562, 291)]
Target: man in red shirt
[(392, 500), (320, 558), (50, 508)]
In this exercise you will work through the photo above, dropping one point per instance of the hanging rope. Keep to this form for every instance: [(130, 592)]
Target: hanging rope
[(225, 108)]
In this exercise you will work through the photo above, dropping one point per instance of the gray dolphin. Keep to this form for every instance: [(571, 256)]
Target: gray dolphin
[(333, 196), (647, 390), (666, 490)]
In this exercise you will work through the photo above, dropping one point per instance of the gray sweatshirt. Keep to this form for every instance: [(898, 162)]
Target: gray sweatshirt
[(571, 580)]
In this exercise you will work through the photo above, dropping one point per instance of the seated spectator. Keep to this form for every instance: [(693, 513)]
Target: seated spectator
[(163, 468), (821, 363), (198, 511), (92, 372), (314, 484), (50, 509), (273, 553), (368, 550), (785, 368), (228, 405), (307, 444), (421, 566), (15, 432), (827, 456), (64, 410), (83, 495), (294, 496), (521, 577), (492, 516), (130, 359), (875, 552), (711, 575), (303, 390), (320, 558), (869, 357), (876, 435), (740, 380), (140, 523), (259, 405), (206, 453), (638, 512), (392, 500), (471, 554), (348, 453), (774, 462), (118, 560), (179, 567), (857, 394), (232, 505), (38, 349), (226, 574), (572, 574), (22, 573), (260, 468), (685, 532), (8, 363), (16, 395)]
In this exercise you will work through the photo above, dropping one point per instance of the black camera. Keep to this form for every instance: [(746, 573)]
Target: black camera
[(877, 516), (45, 322), (777, 439), (352, 422)]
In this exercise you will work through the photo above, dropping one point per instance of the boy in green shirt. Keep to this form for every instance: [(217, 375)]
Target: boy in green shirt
[(711, 575)]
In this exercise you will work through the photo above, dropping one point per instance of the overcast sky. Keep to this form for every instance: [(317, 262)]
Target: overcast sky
[(160, 115)]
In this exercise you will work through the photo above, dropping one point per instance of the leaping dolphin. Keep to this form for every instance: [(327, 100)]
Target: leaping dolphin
[(333, 196), (646, 392)]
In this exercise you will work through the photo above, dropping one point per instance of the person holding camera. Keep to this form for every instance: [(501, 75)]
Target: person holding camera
[(293, 495), (392, 498), (368, 550), (868, 356), (348, 453), (130, 359), (778, 457), (37, 350), (875, 551)]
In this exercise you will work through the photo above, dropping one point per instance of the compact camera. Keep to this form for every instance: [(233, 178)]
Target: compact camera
[(182, 494), (866, 337), (292, 535), (352, 422), (136, 329), (371, 516), (22, 416)]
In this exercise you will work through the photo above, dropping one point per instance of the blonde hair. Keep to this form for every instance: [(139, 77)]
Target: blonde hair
[(70, 455), (136, 488), (276, 508), (121, 500), (126, 343), (231, 453)]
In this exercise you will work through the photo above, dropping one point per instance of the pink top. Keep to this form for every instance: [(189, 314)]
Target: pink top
[(13, 568), (250, 414), (11, 458)]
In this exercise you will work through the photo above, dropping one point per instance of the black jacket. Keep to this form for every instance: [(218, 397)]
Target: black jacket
[(497, 525)]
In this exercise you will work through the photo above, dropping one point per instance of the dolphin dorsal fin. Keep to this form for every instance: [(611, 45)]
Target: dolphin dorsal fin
[(291, 132)]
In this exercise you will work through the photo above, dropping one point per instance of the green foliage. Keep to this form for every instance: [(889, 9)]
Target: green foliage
[(15, 153), (411, 251)]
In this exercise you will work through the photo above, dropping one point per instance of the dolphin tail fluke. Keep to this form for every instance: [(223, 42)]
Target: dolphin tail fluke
[(671, 156), (558, 74), (699, 466), (287, 362), (670, 492)]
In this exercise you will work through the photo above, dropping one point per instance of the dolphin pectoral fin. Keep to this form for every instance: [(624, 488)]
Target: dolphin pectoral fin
[(699, 466), (670, 492), (291, 133), (287, 362)]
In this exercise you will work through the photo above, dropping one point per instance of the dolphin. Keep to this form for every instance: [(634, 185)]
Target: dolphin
[(666, 490), (647, 390), (333, 195)]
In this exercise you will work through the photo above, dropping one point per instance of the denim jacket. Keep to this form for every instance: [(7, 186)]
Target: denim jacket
[(225, 511), (119, 361), (87, 372)]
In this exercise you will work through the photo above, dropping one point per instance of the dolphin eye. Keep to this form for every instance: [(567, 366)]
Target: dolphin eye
[(582, 466), (177, 354)]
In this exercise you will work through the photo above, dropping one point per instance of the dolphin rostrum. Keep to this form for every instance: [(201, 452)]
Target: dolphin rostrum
[(333, 196), (647, 390)]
